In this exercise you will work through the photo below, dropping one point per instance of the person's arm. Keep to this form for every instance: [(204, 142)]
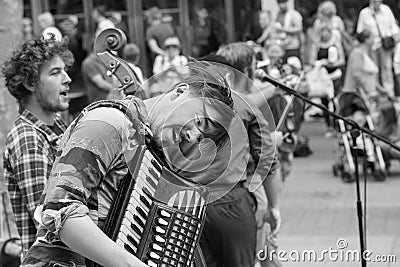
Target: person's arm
[(360, 23), (393, 24), (93, 73), (355, 65), (272, 187), (341, 58), (295, 27), (265, 34), (152, 43), (157, 65), (101, 83), (262, 147), (104, 251), (262, 150), (32, 169), (261, 93), (86, 157)]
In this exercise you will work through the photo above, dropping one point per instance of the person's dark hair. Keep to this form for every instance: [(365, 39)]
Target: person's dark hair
[(238, 54), (26, 62), (363, 36), (131, 53), (213, 88), (102, 10)]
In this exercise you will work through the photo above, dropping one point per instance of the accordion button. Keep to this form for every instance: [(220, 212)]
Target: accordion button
[(151, 263), (165, 214), (154, 256), (156, 247), (159, 230), (159, 239), (162, 221)]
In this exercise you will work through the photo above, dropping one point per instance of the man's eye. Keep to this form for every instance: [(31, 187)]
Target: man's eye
[(198, 121)]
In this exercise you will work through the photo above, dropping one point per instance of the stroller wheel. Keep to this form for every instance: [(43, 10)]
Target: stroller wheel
[(379, 176), (347, 177)]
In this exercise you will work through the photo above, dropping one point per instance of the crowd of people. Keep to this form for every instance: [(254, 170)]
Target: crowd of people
[(62, 181)]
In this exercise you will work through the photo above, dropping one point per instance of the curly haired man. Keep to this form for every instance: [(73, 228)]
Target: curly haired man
[(36, 75)]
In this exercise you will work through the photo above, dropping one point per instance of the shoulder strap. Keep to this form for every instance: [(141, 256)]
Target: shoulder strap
[(110, 104), (377, 25)]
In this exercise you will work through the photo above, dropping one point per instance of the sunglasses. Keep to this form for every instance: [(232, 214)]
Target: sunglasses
[(171, 46)]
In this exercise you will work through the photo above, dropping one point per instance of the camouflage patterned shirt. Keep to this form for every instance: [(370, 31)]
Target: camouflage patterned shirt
[(84, 180)]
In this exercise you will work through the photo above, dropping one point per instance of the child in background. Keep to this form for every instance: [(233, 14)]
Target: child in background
[(171, 57), (359, 116), (167, 67)]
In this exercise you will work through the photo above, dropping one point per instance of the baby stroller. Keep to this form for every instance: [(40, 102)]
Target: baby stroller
[(353, 105)]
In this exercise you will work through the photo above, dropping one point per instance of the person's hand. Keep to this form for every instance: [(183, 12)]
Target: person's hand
[(13, 248), (260, 214), (278, 26), (322, 62), (273, 217), (278, 137)]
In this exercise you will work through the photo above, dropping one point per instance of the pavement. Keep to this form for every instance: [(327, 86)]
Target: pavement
[(319, 211)]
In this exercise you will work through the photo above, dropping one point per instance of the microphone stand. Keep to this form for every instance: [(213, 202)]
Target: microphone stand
[(356, 130)]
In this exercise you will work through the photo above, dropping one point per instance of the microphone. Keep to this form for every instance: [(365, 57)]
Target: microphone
[(264, 77)]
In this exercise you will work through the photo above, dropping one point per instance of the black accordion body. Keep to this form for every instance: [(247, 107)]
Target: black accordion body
[(157, 215)]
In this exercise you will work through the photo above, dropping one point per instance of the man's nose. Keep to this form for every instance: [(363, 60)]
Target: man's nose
[(66, 79), (194, 135)]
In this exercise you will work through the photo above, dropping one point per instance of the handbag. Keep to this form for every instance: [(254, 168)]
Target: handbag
[(388, 42)]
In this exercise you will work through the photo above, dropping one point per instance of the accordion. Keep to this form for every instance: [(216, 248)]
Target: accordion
[(157, 215)]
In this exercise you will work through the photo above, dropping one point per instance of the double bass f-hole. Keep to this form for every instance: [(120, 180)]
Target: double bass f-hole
[(106, 45)]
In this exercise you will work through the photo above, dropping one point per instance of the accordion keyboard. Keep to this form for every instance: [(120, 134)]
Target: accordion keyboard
[(163, 216)]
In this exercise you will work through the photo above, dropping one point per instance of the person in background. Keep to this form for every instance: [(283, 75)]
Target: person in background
[(361, 71), (98, 84), (36, 75), (326, 15), (131, 53), (27, 30), (47, 26), (242, 58), (288, 26), (266, 23), (168, 67), (99, 16), (328, 52), (116, 18), (380, 21), (171, 56), (157, 32)]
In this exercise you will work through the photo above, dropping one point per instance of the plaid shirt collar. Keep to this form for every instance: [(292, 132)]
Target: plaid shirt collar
[(38, 124)]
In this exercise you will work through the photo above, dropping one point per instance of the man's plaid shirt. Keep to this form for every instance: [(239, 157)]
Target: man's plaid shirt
[(28, 157)]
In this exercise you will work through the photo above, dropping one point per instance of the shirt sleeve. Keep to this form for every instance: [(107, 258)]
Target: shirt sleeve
[(360, 23), (262, 149), (90, 69), (32, 169), (158, 65), (91, 150)]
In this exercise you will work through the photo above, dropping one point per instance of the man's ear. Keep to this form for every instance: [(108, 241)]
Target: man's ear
[(229, 79), (246, 71), (179, 89), (29, 87)]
